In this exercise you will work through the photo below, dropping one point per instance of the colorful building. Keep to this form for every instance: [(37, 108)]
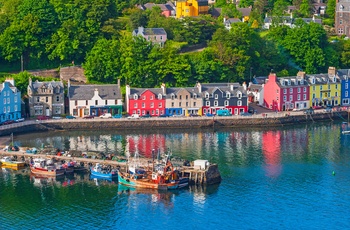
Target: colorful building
[(223, 96), (325, 89), (183, 101), (343, 75), (144, 101), (94, 99), (287, 93), (191, 8), (10, 101)]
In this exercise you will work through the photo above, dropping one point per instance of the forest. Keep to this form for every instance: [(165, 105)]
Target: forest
[(97, 34)]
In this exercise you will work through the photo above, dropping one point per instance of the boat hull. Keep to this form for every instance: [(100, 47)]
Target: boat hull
[(103, 175), (13, 164), (145, 183), (45, 172)]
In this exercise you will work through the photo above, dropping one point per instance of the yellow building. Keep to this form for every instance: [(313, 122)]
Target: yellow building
[(325, 89), (190, 8)]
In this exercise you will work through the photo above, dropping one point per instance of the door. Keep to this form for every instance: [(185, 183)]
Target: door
[(47, 112)]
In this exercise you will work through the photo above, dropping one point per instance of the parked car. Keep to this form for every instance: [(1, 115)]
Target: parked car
[(134, 116), (117, 116), (223, 113), (8, 122), (328, 109), (246, 114), (146, 116), (70, 117), (309, 111), (164, 115), (210, 115), (194, 115), (57, 118), (106, 115), (88, 117), (42, 117), (317, 107), (20, 120)]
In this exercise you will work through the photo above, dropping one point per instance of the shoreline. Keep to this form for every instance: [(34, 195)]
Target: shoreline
[(258, 120)]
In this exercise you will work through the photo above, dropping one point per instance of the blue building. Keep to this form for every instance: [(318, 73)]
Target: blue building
[(343, 75), (10, 101)]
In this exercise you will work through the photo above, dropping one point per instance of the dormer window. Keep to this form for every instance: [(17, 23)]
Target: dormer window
[(135, 96), (207, 95), (216, 96), (334, 80), (228, 95), (172, 96), (194, 96), (288, 82), (159, 96)]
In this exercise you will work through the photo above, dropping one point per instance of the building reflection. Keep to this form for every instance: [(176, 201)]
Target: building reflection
[(271, 150)]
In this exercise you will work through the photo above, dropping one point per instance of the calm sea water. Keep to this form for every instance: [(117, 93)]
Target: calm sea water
[(285, 178)]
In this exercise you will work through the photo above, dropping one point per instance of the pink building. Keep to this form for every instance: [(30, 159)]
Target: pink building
[(286, 93)]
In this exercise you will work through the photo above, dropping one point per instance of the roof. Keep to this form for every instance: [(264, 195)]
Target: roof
[(215, 12), (140, 91), (49, 85), (149, 31), (245, 11), (85, 92)]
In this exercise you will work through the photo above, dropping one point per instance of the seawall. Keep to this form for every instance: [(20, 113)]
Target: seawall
[(272, 119)]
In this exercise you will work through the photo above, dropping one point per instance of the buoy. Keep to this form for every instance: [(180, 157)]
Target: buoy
[(333, 173)]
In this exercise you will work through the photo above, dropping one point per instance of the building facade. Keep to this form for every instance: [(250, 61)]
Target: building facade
[(154, 35), (191, 8), (94, 100), (342, 18), (46, 98), (144, 101), (287, 93), (10, 101), (343, 75)]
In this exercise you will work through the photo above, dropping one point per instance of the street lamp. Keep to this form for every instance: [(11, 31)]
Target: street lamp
[(250, 76)]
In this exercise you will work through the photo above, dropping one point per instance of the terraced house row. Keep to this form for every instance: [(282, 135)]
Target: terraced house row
[(307, 90), (276, 93)]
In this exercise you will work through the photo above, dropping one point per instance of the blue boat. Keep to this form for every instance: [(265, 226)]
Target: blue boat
[(99, 171)]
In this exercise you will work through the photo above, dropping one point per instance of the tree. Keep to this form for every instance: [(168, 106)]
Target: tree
[(102, 62)]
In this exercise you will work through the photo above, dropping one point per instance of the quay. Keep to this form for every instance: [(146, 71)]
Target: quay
[(197, 175)]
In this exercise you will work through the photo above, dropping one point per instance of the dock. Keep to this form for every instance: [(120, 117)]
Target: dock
[(197, 174)]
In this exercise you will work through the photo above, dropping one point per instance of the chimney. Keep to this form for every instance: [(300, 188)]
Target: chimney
[(231, 87), (11, 81), (272, 77), (199, 87), (332, 71), (301, 74), (244, 86), (96, 92), (163, 88)]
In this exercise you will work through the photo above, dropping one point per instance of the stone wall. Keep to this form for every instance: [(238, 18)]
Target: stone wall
[(168, 123)]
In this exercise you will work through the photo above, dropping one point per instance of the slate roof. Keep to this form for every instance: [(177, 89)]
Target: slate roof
[(150, 31), (49, 85), (224, 87), (175, 90), (86, 92), (245, 11), (321, 79), (12, 87), (295, 81), (342, 72), (140, 91)]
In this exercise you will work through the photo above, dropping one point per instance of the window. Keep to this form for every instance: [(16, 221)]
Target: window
[(152, 105), (277, 90), (277, 98), (284, 91), (284, 98), (16, 108), (96, 102), (304, 97), (194, 104), (4, 101), (180, 104), (160, 105), (207, 95), (340, 21), (298, 97), (106, 102), (291, 90), (216, 103), (239, 103), (346, 85), (151, 97), (239, 95), (228, 95), (57, 98), (180, 97), (290, 97), (304, 89), (346, 93), (8, 100), (135, 96), (86, 102), (135, 105), (336, 94), (15, 99), (207, 103), (172, 96), (47, 99), (143, 105), (37, 99), (143, 97), (195, 96), (227, 103), (186, 104), (321, 87), (186, 97), (172, 104), (75, 102), (299, 90), (159, 96), (216, 96)]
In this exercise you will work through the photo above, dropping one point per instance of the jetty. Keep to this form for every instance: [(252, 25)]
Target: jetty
[(198, 172)]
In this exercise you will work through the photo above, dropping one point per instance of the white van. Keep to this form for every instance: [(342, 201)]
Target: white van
[(106, 115), (134, 116)]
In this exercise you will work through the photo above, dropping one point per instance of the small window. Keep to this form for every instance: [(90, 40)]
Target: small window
[(47, 99), (96, 102), (86, 102), (207, 103)]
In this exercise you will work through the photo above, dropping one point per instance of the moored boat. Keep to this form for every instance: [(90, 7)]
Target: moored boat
[(99, 171), (8, 162), (45, 167)]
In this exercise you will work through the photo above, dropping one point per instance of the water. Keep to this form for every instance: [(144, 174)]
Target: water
[(272, 179)]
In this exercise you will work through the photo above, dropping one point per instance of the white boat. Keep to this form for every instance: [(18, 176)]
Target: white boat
[(46, 167)]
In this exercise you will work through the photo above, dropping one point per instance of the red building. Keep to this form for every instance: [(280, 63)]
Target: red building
[(286, 93), (145, 101)]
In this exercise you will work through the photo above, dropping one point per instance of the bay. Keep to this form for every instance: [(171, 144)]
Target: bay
[(295, 177)]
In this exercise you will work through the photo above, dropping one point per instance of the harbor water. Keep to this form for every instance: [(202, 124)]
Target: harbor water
[(295, 177)]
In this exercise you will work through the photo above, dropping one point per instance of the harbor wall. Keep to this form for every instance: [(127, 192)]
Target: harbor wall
[(168, 123)]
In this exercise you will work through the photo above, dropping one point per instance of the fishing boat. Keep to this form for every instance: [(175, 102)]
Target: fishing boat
[(68, 167), (8, 162), (103, 172), (45, 167)]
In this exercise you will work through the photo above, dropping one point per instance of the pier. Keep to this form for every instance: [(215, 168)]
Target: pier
[(208, 175)]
